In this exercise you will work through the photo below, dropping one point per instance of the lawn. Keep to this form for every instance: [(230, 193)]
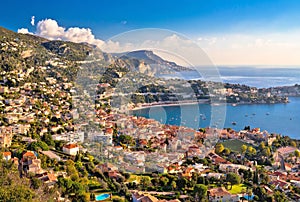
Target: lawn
[(237, 189), (235, 145), (132, 178)]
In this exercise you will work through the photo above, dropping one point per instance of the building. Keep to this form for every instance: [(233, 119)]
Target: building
[(146, 197), (51, 155), (107, 167), (286, 151), (233, 168), (6, 134), (106, 139), (31, 163), (47, 178), (6, 155), (220, 194), (71, 149)]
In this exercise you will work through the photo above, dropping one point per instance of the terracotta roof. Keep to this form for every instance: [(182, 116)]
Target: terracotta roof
[(28, 154), (109, 130), (71, 146), (6, 154), (52, 177), (219, 191)]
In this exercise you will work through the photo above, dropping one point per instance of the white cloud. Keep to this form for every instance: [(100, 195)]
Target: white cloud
[(50, 29), (32, 22), (23, 31)]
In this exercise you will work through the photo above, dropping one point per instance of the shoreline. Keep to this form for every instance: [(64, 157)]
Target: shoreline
[(193, 102), (169, 103)]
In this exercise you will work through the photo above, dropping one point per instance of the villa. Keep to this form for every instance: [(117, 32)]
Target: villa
[(220, 194), (71, 149)]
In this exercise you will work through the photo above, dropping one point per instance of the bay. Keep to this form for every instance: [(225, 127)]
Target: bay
[(275, 118)]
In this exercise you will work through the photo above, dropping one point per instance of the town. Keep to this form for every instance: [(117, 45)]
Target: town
[(68, 138)]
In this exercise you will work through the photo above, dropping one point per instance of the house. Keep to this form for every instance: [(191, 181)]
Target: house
[(71, 149), (141, 197), (220, 194), (280, 184), (106, 139), (268, 189), (6, 133), (48, 178), (107, 167), (216, 159), (146, 197), (51, 155), (188, 172), (30, 162), (3, 89), (6, 155), (286, 151), (233, 167)]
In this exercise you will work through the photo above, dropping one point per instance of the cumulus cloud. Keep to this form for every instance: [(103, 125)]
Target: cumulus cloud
[(50, 29), (32, 22), (24, 31)]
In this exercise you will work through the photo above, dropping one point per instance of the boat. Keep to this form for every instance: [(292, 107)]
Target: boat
[(233, 123)]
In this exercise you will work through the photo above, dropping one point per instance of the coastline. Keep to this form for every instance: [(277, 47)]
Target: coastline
[(193, 102), (170, 103)]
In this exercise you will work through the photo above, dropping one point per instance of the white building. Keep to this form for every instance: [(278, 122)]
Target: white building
[(71, 149)]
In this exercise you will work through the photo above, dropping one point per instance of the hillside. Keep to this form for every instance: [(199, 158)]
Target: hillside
[(157, 64)]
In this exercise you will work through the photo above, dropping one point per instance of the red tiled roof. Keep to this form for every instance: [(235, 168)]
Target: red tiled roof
[(6, 154), (28, 154), (219, 191), (52, 177), (71, 146)]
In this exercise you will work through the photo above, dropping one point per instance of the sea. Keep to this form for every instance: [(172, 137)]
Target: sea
[(280, 118)]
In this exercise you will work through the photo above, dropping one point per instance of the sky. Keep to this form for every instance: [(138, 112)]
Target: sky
[(231, 32)]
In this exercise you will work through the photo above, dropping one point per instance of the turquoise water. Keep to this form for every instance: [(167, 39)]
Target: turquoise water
[(275, 118), (102, 197)]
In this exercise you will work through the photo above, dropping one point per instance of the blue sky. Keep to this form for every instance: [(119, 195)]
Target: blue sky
[(193, 18)]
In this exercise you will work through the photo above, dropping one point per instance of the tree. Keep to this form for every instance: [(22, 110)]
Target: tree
[(145, 181), (244, 148), (297, 153), (226, 151), (126, 139), (293, 143), (200, 191), (233, 179), (251, 150), (219, 148), (181, 183), (48, 139), (163, 181), (266, 152), (173, 185), (262, 146)]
